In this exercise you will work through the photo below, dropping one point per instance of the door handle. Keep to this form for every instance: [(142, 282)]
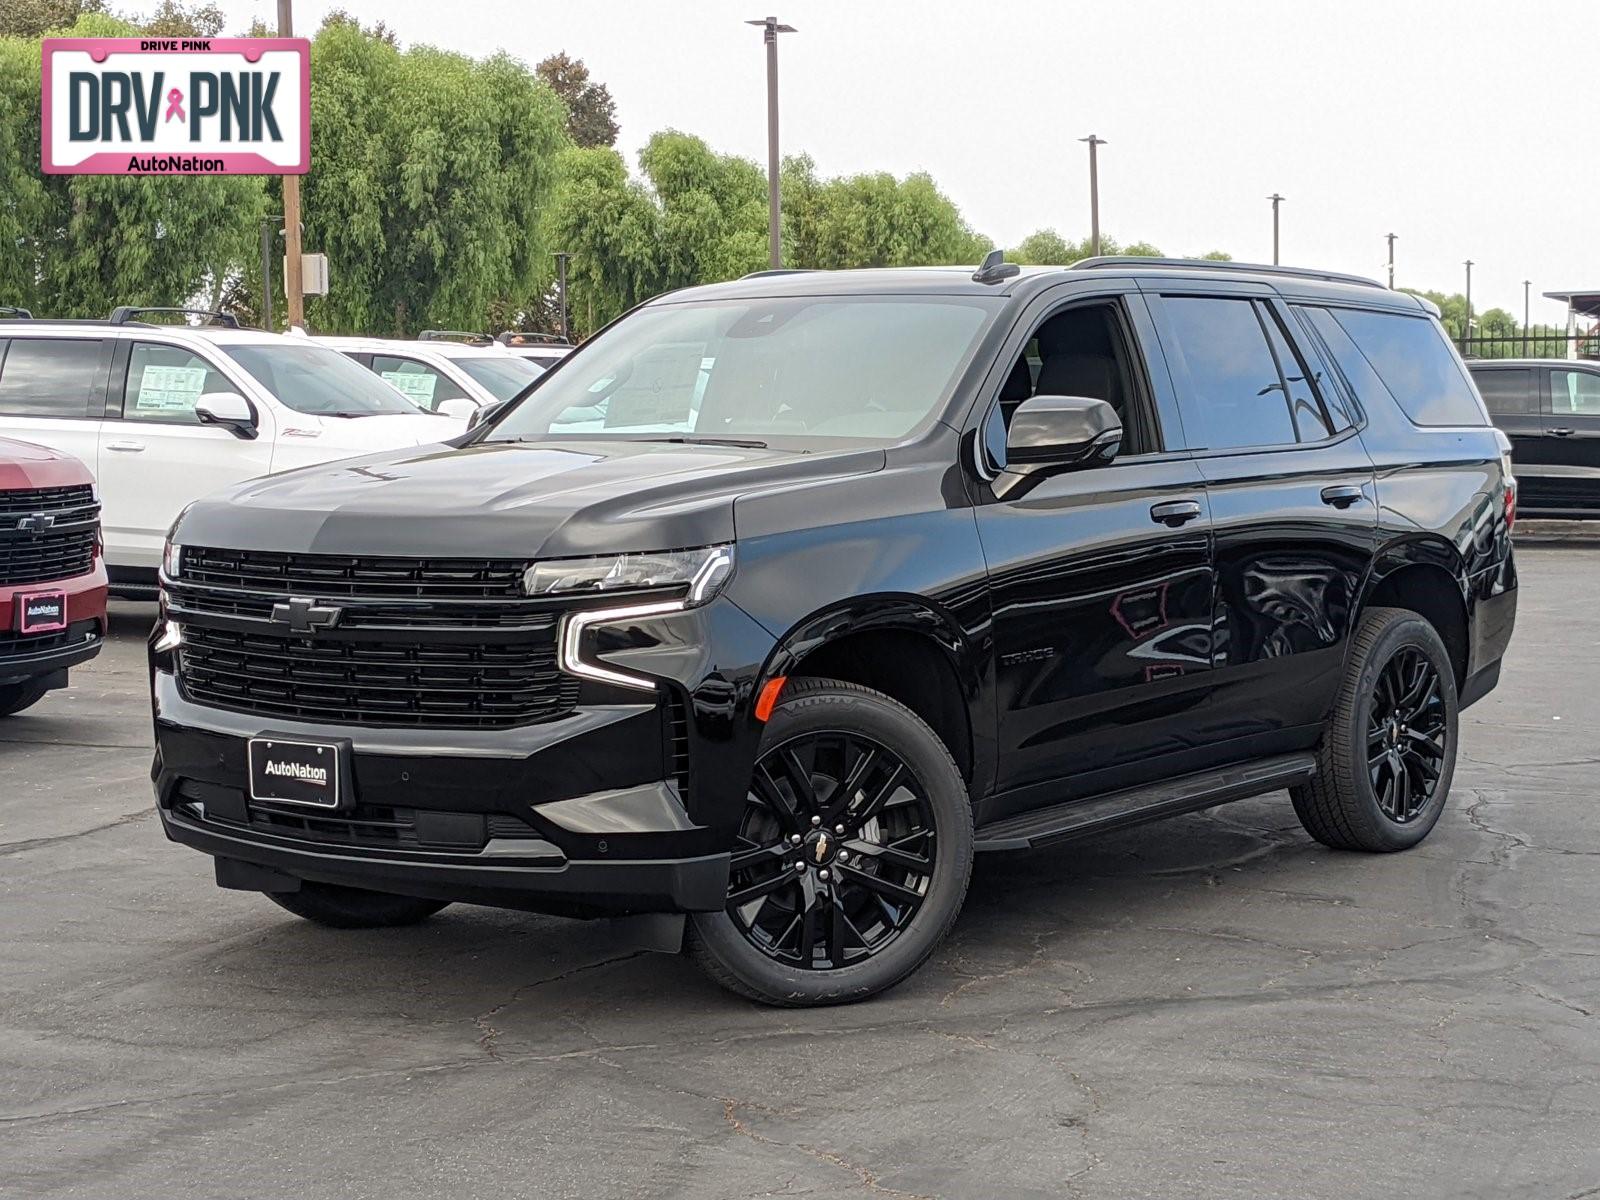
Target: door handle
[(1559, 432), (1173, 513), (1341, 495), (126, 447)]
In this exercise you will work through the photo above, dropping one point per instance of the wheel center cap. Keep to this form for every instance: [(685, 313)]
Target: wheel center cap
[(820, 847)]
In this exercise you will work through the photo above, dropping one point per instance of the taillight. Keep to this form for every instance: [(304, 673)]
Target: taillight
[(1510, 478)]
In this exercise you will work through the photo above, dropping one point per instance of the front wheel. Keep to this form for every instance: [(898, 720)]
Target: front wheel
[(354, 908), (17, 696), (1385, 764), (853, 855)]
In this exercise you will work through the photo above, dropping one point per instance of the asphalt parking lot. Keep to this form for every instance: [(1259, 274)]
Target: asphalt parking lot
[(1214, 1007)]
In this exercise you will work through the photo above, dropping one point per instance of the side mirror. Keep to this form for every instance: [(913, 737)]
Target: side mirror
[(1052, 434), (228, 409), (460, 408)]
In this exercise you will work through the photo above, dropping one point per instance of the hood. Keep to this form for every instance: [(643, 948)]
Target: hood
[(304, 439), (24, 465), (508, 500)]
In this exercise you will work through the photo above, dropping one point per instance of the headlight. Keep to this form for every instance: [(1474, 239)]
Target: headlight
[(702, 573), (171, 559), (694, 575)]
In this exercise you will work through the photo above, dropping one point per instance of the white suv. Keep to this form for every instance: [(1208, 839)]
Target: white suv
[(446, 377), (163, 414)]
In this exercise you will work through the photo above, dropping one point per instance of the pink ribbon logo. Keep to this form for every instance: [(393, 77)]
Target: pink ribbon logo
[(175, 105)]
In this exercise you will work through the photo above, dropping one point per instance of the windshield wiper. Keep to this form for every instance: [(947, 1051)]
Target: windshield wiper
[(746, 443)]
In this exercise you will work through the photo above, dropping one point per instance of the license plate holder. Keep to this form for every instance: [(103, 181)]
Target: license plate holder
[(291, 770), (41, 612)]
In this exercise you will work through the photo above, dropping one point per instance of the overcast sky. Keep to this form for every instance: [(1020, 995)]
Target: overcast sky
[(1461, 127)]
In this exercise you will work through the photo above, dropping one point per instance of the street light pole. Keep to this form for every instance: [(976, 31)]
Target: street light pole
[(1466, 328), (561, 265), (1095, 142), (294, 294), (1526, 284), (774, 204), (1276, 200), (1390, 236)]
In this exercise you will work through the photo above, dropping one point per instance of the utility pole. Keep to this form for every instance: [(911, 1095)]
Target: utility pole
[(266, 273), (561, 265), (774, 204), (1095, 142), (1276, 200), (1466, 327), (1390, 236), (1526, 284), (293, 285)]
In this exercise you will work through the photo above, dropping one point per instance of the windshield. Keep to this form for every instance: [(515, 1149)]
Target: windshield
[(318, 381), (868, 368), (503, 377)]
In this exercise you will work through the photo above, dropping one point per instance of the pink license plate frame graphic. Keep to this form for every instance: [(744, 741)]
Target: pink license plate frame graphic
[(24, 599), (204, 161)]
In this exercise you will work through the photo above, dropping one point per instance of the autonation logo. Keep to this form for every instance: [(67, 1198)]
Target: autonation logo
[(303, 772)]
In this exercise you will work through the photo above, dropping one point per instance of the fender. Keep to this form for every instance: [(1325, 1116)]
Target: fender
[(966, 652), (1411, 550)]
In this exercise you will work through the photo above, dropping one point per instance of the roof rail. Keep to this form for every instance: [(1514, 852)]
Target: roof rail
[(514, 337), (11, 313), (778, 271), (995, 268), (1211, 264), (455, 335), (124, 314)]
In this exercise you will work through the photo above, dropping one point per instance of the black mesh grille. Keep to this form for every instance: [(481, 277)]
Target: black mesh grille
[(15, 645), (269, 573), (63, 550), (330, 678)]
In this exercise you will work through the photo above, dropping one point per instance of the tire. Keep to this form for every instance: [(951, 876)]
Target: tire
[(898, 875), (18, 696), (354, 908), (1352, 802)]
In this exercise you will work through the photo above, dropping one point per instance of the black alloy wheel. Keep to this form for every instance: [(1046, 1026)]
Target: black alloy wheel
[(1407, 735), (835, 852)]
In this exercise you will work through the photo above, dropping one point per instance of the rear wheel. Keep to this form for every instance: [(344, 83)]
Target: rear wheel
[(1386, 761), (354, 908), (17, 696), (853, 855)]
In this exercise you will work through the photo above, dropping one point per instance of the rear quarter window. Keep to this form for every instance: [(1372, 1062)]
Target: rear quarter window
[(1404, 356)]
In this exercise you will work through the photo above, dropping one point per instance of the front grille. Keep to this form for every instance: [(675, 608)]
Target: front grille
[(376, 826), (329, 576), (346, 680), (15, 645), (64, 551)]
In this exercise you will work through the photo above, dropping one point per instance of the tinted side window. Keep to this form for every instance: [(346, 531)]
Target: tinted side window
[(1508, 393), (1311, 424), (49, 377), (1233, 376), (1414, 362), (165, 381), (1575, 392)]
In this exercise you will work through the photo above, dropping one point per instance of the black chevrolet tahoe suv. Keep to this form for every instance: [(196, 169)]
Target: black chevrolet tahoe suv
[(768, 607)]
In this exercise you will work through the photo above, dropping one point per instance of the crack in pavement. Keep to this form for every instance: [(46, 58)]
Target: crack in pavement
[(488, 1034), (10, 848), (865, 1177)]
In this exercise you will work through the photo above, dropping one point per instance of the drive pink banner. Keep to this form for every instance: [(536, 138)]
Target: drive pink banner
[(176, 106)]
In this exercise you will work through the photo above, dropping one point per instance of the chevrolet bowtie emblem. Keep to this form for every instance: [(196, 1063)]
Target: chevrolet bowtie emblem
[(304, 615), (36, 522), (822, 847)]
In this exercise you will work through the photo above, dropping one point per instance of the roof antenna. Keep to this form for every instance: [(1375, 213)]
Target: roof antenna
[(995, 268)]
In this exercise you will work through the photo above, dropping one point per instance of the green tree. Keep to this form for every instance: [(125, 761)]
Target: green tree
[(591, 112), (611, 226), (713, 210), (1048, 248), (429, 175), (35, 18), (85, 243)]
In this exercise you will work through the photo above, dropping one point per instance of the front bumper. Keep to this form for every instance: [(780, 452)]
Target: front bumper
[(572, 816), (51, 654)]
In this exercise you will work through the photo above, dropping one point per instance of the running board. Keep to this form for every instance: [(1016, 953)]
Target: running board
[(1169, 798)]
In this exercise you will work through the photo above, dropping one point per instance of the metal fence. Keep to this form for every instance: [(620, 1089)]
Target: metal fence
[(1539, 341)]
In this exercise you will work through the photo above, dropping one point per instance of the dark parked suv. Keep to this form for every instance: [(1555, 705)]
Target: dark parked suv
[(783, 597), (1550, 409)]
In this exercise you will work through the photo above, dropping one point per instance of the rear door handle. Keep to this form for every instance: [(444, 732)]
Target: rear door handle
[(1173, 513), (126, 447), (1560, 432), (1341, 495)]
